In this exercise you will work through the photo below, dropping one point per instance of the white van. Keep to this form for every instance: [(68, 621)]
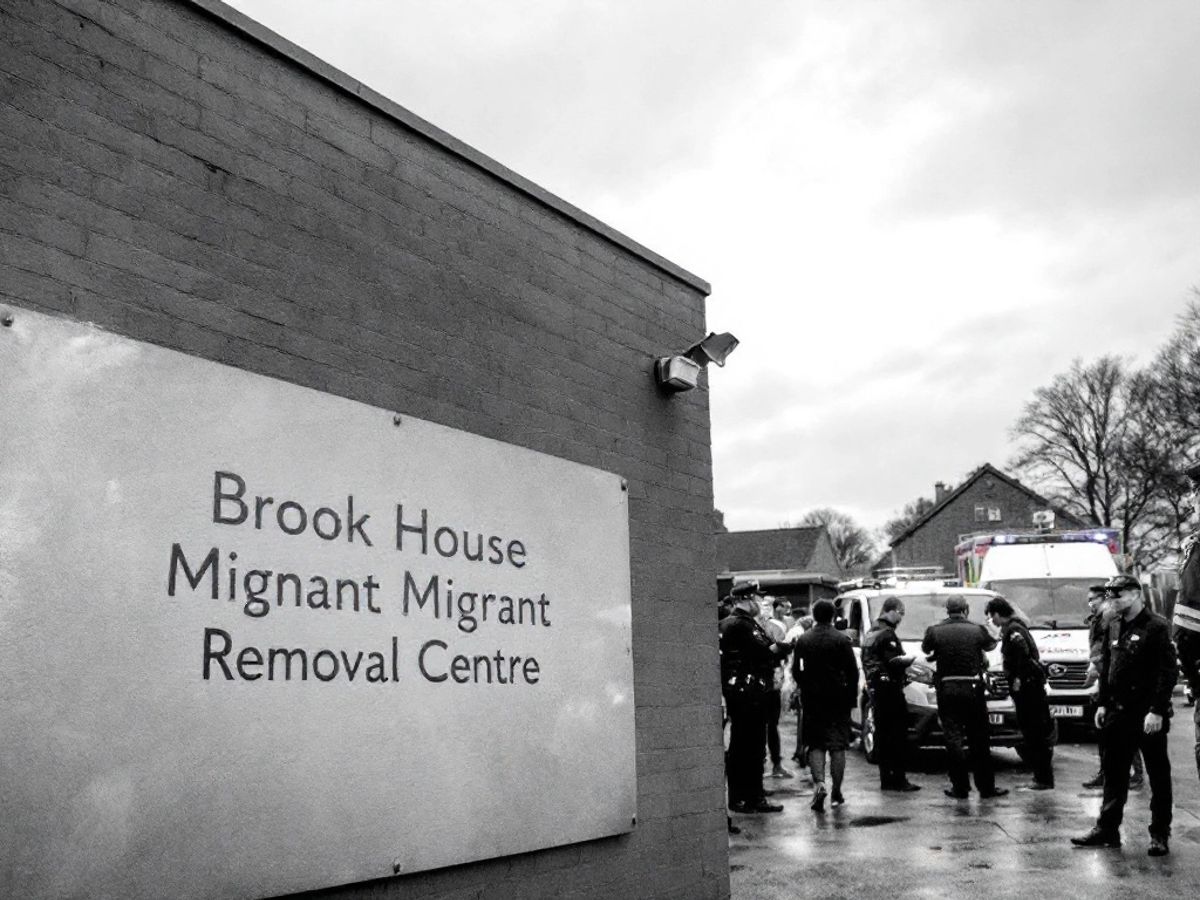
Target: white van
[(1046, 576), (924, 605)]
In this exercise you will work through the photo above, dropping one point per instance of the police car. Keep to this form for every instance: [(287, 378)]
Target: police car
[(924, 605)]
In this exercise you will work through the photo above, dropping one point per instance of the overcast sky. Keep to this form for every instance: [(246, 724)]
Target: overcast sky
[(911, 213)]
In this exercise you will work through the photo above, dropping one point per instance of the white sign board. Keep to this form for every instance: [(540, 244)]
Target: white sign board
[(256, 639)]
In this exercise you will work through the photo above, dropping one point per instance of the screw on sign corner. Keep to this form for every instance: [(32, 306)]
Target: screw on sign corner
[(397, 420), (7, 319)]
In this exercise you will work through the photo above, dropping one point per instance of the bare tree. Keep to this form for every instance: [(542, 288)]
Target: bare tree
[(912, 512), (853, 546), (1099, 442)]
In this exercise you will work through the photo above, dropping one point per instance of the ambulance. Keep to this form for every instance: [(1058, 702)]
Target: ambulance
[(1046, 575)]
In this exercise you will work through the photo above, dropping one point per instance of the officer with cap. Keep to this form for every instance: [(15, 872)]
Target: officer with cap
[(884, 666), (1137, 676), (1187, 606), (748, 660), (959, 647)]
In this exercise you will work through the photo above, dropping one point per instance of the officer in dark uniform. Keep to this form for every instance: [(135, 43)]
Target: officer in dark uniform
[(959, 648), (1137, 676), (1027, 683), (748, 660), (884, 665), (1187, 608)]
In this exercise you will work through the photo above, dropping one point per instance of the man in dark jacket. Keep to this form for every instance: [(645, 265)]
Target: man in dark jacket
[(959, 647), (825, 669), (748, 660), (1027, 683), (884, 664), (1137, 675)]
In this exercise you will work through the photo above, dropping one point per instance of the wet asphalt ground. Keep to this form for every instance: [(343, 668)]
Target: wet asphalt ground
[(926, 845)]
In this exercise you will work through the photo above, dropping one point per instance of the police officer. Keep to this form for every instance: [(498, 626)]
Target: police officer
[(748, 660), (959, 648), (1027, 681), (1137, 675), (884, 665), (1187, 607)]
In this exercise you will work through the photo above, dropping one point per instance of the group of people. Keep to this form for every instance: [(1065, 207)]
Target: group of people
[(1134, 659), (754, 650)]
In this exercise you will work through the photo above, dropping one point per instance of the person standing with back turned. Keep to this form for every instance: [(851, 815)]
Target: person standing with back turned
[(824, 667), (959, 647)]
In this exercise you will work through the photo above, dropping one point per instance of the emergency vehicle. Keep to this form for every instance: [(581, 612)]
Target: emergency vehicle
[(1045, 575)]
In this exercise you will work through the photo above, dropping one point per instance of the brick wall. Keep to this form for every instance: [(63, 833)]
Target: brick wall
[(933, 543), (176, 174)]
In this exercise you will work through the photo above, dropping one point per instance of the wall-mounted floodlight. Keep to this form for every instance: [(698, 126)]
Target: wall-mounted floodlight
[(682, 372)]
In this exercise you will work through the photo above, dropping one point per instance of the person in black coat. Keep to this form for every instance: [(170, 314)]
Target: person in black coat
[(824, 667), (748, 660), (884, 666), (959, 647), (1138, 671), (1027, 684)]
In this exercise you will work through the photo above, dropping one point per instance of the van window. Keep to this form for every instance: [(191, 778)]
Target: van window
[(923, 610), (1048, 602)]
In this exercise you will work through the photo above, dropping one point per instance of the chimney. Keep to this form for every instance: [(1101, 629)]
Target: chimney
[(939, 492)]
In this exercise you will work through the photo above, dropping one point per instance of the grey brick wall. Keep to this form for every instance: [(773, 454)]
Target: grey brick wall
[(172, 173)]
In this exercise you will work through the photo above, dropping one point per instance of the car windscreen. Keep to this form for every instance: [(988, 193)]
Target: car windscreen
[(1048, 602), (923, 610)]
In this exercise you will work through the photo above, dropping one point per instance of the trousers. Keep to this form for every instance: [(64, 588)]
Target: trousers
[(747, 743), (891, 733), (1123, 735), (963, 713), (1037, 730)]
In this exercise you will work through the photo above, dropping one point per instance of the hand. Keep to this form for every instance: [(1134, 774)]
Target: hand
[(1093, 675), (1153, 723), (1016, 685), (1099, 716)]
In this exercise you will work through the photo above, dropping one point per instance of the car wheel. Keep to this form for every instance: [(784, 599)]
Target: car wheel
[(868, 731)]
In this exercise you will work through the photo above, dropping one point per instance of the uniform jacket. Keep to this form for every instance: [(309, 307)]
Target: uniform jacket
[(881, 650), (746, 654), (829, 678), (1187, 604), (1138, 667), (958, 646), (1020, 655)]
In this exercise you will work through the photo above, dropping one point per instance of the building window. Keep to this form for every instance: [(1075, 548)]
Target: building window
[(993, 514), (980, 513)]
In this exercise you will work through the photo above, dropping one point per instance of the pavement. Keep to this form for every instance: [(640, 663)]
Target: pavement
[(926, 845)]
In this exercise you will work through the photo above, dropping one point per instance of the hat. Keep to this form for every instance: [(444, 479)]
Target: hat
[(1097, 588), (745, 589), (1122, 583), (1193, 473)]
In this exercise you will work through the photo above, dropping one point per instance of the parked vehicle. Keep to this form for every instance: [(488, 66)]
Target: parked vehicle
[(925, 605), (1046, 576)]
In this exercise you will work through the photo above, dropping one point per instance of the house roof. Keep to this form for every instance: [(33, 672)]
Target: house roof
[(775, 548), (985, 469)]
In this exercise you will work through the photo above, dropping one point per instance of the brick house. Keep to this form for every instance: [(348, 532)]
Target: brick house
[(988, 500), (791, 562)]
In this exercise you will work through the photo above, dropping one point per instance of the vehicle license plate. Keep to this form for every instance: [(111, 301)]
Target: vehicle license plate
[(996, 718), (1067, 712)]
